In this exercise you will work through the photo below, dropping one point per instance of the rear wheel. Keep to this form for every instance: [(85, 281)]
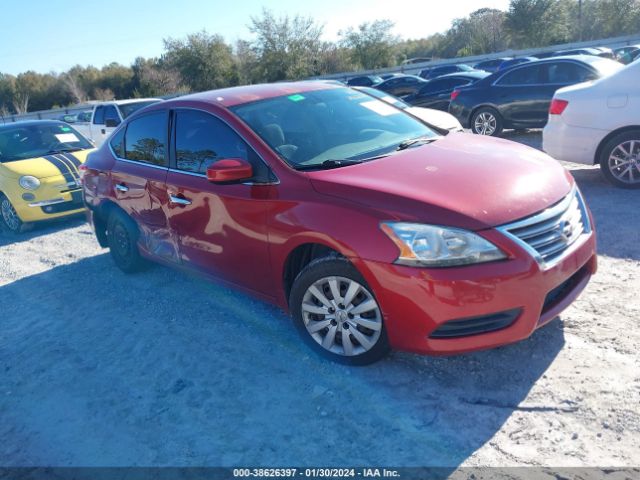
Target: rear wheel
[(9, 217), (486, 121), (620, 160), (336, 313), (122, 237)]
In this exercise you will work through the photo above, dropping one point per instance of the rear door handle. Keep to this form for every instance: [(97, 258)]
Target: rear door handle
[(179, 200), (122, 188)]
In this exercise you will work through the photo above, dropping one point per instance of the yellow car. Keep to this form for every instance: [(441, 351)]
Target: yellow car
[(39, 172)]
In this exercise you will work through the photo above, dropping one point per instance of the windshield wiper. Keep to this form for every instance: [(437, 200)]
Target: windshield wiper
[(328, 164), (62, 150), (414, 141)]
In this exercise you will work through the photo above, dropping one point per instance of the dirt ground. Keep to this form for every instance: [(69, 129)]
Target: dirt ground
[(161, 368)]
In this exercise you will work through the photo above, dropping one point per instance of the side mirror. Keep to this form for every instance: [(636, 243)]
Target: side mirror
[(111, 122), (229, 170)]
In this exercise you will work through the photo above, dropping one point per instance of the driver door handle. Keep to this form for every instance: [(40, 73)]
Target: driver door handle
[(122, 187), (178, 200)]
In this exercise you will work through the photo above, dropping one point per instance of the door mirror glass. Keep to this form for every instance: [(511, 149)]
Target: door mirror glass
[(229, 170)]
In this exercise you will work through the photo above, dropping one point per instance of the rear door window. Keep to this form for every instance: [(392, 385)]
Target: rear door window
[(530, 75), (146, 139), (110, 113), (98, 116)]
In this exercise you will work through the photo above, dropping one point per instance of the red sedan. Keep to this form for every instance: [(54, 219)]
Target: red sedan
[(370, 228)]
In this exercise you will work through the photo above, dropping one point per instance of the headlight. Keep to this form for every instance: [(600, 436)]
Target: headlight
[(434, 246), (29, 183)]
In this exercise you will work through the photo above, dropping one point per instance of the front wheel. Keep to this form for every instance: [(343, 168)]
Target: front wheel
[(620, 160), (486, 121), (9, 217), (337, 314)]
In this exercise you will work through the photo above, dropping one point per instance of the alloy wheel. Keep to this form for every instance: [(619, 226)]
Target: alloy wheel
[(9, 215), (485, 124), (624, 162), (342, 316)]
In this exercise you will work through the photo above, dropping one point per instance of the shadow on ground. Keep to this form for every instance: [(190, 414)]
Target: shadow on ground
[(161, 368), (40, 229)]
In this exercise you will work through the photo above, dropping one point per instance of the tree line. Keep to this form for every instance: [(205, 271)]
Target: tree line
[(292, 47)]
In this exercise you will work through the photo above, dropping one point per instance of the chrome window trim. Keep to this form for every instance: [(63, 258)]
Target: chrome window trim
[(135, 162), (550, 212)]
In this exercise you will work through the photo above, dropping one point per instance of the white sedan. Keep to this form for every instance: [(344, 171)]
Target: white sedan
[(435, 118), (599, 123)]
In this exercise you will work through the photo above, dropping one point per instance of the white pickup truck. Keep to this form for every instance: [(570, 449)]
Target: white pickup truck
[(106, 116)]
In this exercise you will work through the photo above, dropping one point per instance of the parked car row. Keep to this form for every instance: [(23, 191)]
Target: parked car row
[(519, 97)]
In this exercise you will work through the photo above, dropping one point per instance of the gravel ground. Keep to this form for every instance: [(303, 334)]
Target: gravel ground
[(162, 368)]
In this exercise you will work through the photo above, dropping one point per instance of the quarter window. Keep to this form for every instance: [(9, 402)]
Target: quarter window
[(564, 73), (202, 139), (146, 139), (117, 143)]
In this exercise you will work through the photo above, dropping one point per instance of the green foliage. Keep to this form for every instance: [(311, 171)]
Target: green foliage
[(537, 23), (285, 48), (604, 18), (372, 45), (204, 61)]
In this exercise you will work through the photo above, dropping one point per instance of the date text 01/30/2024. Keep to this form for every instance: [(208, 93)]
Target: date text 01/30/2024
[(315, 472)]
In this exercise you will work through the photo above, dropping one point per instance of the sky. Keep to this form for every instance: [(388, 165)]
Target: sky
[(45, 36)]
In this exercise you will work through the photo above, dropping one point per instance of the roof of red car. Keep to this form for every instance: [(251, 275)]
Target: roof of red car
[(229, 97)]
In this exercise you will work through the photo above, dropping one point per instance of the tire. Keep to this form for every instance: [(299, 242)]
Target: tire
[(620, 160), (122, 238), (486, 121), (9, 219), (324, 322)]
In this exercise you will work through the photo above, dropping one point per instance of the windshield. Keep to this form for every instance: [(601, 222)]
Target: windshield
[(29, 141), (310, 128), (128, 108)]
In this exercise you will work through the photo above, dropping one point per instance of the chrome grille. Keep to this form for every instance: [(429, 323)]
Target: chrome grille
[(549, 235)]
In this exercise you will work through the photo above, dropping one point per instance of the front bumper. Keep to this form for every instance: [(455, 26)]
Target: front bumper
[(416, 302), (53, 199)]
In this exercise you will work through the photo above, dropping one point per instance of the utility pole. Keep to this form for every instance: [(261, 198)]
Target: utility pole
[(580, 20)]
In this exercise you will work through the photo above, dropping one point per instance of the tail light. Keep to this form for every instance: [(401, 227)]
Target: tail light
[(82, 169), (455, 94), (557, 106)]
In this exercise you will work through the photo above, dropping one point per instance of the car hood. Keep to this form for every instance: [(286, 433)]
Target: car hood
[(461, 180), (42, 167), (437, 118)]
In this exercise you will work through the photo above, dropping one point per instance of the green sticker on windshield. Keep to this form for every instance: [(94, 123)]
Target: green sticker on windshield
[(65, 129), (295, 98)]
